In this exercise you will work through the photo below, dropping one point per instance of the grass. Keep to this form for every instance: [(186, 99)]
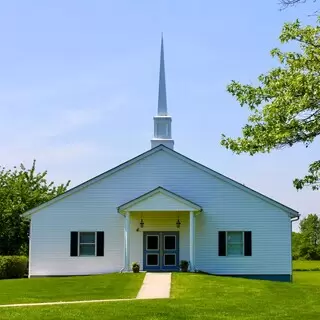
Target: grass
[(306, 265), (196, 296), (307, 278), (70, 288)]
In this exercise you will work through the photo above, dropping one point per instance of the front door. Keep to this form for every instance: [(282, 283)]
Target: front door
[(161, 251)]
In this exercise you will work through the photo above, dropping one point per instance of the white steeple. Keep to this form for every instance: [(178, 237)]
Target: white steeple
[(162, 121), (162, 97)]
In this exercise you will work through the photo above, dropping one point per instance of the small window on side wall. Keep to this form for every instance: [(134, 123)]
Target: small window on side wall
[(235, 243), (86, 243)]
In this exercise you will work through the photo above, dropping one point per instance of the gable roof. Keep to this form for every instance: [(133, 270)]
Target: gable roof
[(185, 204), (290, 211)]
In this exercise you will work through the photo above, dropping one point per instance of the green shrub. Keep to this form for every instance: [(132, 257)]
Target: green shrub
[(13, 267)]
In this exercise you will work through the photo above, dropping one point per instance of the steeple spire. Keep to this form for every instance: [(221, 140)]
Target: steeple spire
[(162, 121), (162, 98)]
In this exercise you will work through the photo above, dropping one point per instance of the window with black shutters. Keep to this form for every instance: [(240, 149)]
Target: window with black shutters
[(235, 243), (86, 243)]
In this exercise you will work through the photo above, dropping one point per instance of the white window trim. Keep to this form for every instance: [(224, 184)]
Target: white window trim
[(95, 244), (236, 256)]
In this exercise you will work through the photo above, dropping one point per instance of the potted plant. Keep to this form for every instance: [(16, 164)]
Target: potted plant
[(135, 267), (184, 264)]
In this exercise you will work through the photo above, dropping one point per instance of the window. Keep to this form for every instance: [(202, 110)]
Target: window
[(169, 242), (169, 259), (87, 243), (152, 242), (152, 259), (234, 243)]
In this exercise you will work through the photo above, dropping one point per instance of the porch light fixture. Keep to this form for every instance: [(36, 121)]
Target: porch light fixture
[(141, 223), (178, 223)]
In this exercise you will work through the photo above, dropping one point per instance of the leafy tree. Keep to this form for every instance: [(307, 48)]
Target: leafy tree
[(21, 189), (285, 105), (296, 242), (309, 246)]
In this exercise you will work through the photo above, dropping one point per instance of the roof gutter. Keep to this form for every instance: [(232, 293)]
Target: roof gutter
[(295, 218)]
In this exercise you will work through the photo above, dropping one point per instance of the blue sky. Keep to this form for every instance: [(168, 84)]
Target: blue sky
[(79, 81)]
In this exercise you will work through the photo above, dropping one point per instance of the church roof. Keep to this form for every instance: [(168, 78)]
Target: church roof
[(290, 211)]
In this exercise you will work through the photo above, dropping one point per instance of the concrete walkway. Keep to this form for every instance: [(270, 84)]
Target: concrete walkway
[(155, 286)]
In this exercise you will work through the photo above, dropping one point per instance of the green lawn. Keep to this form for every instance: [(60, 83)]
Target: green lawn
[(196, 296), (70, 288), (307, 278), (306, 265)]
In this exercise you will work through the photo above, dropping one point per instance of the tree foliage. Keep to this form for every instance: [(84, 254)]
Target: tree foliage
[(296, 241), (288, 3), (306, 244), (21, 189), (285, 105)]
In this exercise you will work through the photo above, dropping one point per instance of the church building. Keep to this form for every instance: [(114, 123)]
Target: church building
[(157, 209)]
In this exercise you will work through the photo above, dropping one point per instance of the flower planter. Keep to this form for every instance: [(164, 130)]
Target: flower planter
[(136, 269), (184, 265)]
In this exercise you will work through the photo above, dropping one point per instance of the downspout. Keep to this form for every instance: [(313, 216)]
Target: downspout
[(292, 220), (30, 252)]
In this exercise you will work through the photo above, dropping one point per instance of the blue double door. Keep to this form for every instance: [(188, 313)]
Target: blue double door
[(161, 251)]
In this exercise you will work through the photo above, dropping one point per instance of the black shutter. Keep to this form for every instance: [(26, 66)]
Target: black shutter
[(100, 243), (222, 243), (74, 244), (247, 243)]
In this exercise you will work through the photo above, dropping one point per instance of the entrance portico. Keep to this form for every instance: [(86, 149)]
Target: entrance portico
[(158, 213)]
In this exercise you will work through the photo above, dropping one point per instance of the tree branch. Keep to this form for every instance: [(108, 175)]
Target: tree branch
[(291, 3)]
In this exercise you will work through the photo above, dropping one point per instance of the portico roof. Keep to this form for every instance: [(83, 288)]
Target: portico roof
[(159, 199)]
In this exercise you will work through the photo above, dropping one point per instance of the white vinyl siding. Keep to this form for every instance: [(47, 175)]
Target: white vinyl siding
[(225, 207)]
